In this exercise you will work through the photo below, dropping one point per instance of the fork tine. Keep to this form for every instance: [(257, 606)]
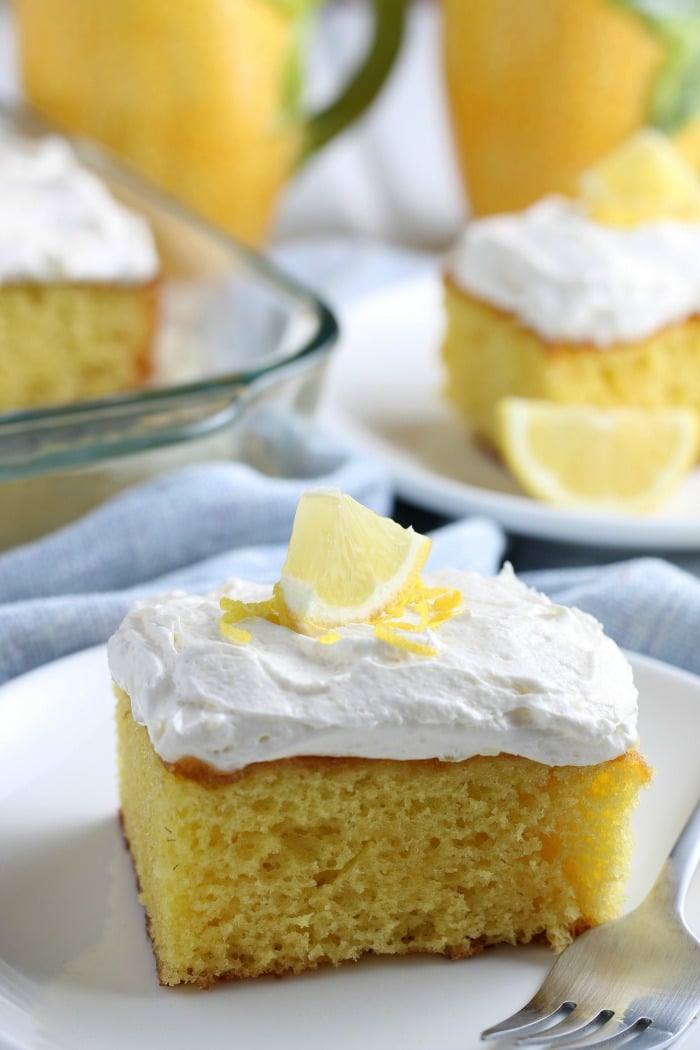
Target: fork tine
[(528, 1019), (628, 1035), (571, 1027), (652, 1038)]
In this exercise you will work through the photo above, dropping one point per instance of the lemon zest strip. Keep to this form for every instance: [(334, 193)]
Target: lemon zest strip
[(386, 632), (430, 606), (234, 634)]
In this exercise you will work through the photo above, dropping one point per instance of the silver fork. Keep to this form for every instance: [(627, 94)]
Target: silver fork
[(632, 981)]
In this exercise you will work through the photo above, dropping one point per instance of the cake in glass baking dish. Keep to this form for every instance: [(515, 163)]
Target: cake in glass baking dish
[(78, 280)]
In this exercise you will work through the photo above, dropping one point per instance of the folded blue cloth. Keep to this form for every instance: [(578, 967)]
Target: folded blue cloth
[(194, 528), (188, 530), (647, 605)]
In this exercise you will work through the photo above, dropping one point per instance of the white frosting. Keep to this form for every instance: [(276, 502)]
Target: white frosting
[(513, 673), (58, 222), (574, 280)]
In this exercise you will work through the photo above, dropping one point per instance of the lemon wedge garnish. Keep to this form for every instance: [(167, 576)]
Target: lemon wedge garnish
[(644, 179), (346, 564), (618, 459)]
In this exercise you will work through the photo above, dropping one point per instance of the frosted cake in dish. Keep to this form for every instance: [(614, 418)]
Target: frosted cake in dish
[(292, 799), (78, 280)]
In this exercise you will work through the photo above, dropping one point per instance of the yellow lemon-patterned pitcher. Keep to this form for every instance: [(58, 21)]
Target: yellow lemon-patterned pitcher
[(202, 96), (540, 89)]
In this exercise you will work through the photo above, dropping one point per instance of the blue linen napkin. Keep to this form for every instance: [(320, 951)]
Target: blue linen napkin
[(194, 528), (646, 604), (189, 530)]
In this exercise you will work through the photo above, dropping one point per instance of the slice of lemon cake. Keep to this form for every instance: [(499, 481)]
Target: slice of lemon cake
[(78, 280), (588, 301), (307, 776)]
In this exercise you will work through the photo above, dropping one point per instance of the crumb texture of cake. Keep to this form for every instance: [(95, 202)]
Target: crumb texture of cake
[(307, 861), (78, 280), (77, 342), (291, 800), (550, 304)]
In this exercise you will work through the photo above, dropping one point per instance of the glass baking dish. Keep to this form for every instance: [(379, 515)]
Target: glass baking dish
[(240, 354)]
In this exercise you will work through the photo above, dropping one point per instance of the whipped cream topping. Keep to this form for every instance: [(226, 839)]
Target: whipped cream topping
[(58, 222), (513, 673), (574, 280)]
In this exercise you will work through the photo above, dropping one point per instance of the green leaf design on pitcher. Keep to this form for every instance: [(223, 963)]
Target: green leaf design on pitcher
[(675, 93), (361, 89)]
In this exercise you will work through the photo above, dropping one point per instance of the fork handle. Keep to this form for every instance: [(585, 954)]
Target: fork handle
[(675, 876)]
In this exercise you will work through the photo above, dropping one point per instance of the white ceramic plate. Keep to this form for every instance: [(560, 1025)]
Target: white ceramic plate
[(76, 970), (382, 394)]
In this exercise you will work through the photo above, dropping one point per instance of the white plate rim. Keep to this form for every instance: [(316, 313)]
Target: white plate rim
[(448, 996)]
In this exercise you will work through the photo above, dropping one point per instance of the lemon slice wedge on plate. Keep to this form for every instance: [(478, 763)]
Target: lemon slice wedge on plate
[(346, 564), (621, 459)]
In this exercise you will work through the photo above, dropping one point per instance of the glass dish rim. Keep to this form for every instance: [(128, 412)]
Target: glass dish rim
[(254, 263)]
